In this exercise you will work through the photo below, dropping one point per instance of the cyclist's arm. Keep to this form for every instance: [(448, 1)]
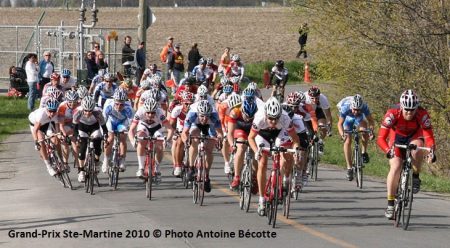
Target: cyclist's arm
[(242, 73), (340, 126), (294, 137), (328, 116), (381, 140), (251, 140), (170, 129), (36, 127), (231, 128), (371, 122), (131, 131)]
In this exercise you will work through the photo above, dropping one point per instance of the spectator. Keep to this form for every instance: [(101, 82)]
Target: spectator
[(91, 66), (32, 71), (46, 68), (303, 31), (140, 61), (225, 60), (17, 80), (127, 54), (164, 55), (193, 57), (96, 50), (176, 66), (100, 60)]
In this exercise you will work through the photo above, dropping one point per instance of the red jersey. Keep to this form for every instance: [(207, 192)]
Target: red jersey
[(393, 121)]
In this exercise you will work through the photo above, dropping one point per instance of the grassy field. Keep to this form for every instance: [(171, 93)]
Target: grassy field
[(14, 116)]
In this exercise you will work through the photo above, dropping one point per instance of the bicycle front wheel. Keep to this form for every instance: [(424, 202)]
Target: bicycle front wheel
[(276, 198), (247, 185), (407, 202), (202, 175)]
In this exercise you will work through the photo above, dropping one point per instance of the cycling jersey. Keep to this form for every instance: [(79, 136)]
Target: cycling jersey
[(261, 126), (150, 126), (105, 91), (322, 103), (192, 120), (117, 120), (65, 113), (280, 76), (71, 83), (304, 112), (201, 74), (405, 131), (40, 115), (345, 109), (95, 117), (235, 69), (131, 93), (178, 115)]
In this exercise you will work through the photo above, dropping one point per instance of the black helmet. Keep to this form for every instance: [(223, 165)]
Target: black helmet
[(279, 63)]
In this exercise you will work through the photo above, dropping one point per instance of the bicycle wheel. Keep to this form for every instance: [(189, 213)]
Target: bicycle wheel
[(407, 201), (202, 175), (287, 199), (398, 206), (268, 197), (230, 175), (67, 180), (247, 177), (355, 168), (276, 198), (195, 190), (316, 159), (149, 185), (116, 177), (91, 174), (297, 175)]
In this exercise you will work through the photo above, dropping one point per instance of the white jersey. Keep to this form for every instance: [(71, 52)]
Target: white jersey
[(142, 118), (323, 102), (178, 114), (261, 122), (40, 115), (67, 86), (297, 122), (96, 116)]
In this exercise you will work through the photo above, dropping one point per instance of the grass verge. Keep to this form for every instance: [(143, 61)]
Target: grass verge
[(255, 71), (14, 116)]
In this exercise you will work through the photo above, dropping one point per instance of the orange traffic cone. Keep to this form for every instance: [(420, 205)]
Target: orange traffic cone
[(307, 75), (266, 78)]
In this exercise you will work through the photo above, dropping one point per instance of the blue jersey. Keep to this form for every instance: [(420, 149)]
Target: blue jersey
[(116, 117), (192, 119), (105, 92), (345, 108)]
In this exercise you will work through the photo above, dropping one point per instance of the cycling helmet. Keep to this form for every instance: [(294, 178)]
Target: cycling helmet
[(50, 90), (248, 93), (71, 95), (202, 91), (302, 96), (227, 89), (279, 63), (236, 58), (209, 61), (252, 85), (203, 107), (188, 97), (54, 76), (155, 94), (234, 100), (409, 100), (272, 108), (235, 80), (293, 99), (224, 81), (52, 104), (249, 108), (88, 103), (65, 73), (314, 91), (202, 61), (157, 79), (150, 105), (120, 95), (57, 94), (107, 77), (357, 102), (101, 72), (145, 85), (82, 91)]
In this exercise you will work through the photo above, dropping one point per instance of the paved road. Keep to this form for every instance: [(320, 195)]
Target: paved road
[(331, 212)]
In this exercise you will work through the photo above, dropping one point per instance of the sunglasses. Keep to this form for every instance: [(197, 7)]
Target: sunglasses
[(88, 111), (119, 103), (96, 47), (151, 113), (47, 55), (52, 111), (409, 110), (203, 116), (66, 77), (272, 119)]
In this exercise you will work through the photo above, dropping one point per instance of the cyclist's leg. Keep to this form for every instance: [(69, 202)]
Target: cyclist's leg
[(417, 159), (262, 168), (348, 126), (123, 128), (142, 132), (159, 149), (193, 149), (108, 146), (287, 159)]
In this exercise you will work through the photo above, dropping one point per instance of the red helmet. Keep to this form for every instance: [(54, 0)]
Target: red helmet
[(293, 98), (188, 97)]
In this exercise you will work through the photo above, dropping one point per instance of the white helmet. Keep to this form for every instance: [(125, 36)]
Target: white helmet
[(150, 105), (235, 80), (409, 100), (120, 95), (203, 107), (145, 84), (234, 100), (88, 103), (235, 57), (202, 91), (252, 85), (82, 91), (71, 95), (273, 108), (155, 94), (357, 102)]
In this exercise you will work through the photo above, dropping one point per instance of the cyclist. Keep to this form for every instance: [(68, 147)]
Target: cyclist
[(406, 123), (218, 90), (212, 72), (43, 121), (202, 94), (281, 76), (97, 80), (154, 94), (67, 82), (51, 92), (150, 71), (54, 82), (145, 85), (254, 86), (118, 113), (292, 108), (204, 120), (82, 92), (88, 120), (226, 92), (200, 72), (130, 89), (105, 90), (271, 126), (65, 118), (187, 85), (319, 108), (147, 122), (177, 117), (234, 100), (239, 125), (353, 111), (235, 68)]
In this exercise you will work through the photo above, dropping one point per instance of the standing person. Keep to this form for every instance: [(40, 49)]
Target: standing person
[(140, 62), (176, 65), (127, 54), (303, 31), (32, 71), (101, 62), (91, 66), (96, 50), (225, 60), (164, 55), (193, 57), (46, 68)]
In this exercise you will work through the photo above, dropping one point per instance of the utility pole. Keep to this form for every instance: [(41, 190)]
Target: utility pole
[(142, 31)]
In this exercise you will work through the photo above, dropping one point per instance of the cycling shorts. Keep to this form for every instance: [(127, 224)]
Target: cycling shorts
[(240, 134)]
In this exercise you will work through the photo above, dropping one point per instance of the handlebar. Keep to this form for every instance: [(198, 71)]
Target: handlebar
[(413, 147), (49, 137)]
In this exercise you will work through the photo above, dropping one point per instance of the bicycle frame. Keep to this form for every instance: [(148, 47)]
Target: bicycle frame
[(246, 178), (57, 165), (91, 174), (149, 169), (198, 186), (113, 172), (357, 163)]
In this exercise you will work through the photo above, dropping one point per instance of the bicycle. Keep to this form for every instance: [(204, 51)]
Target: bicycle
[(150, 168), (313, 154), (404, 197), (245, 187), (296, 176), (198, 186), (91, 173), (273, 194), (230, 174), (113, 171), (357, 163), (184, 171), (57, 165)]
